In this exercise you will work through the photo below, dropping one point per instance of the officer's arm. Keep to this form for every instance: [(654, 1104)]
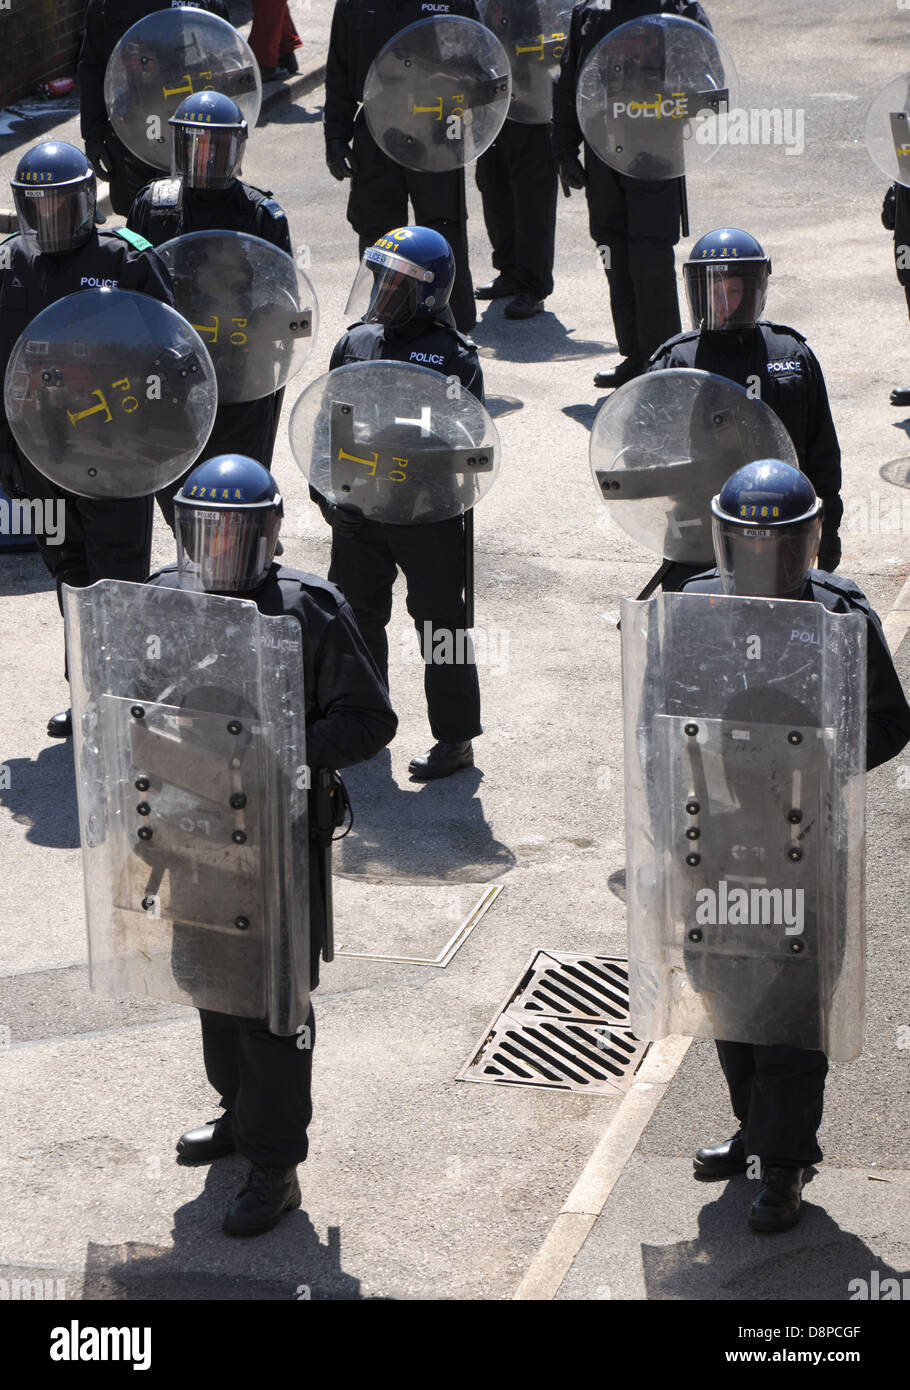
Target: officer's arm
[(822, 462), (566, 132), (887, 711), (94, 122), (340, 101), (357, 718), (690, 9), (274, 228), (146, 273), (219, 8), (469, 373)]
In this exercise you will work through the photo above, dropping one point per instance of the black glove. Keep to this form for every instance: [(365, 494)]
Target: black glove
[(99, 156), (829, 553), (889, 209), (340, 159), (9, 473), (572, 175), (343, 517)]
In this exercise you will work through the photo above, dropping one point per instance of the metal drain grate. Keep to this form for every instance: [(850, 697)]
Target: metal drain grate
[(565, 1026)]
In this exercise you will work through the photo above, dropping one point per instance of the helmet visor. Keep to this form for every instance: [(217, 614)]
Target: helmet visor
[(58, 217), (726, 295), (765, 561), (387, 288), (226, 550), (206, 156)]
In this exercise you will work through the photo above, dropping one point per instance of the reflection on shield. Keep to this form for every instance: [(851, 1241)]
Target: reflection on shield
[(110, 393), (254, 309), (650, 96), (399, 441), (745, 761), (664, 444), (437, 95), (189, 744), (534, 34), (888, 130), (165, 58)]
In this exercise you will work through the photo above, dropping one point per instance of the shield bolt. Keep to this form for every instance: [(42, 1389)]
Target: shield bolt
[(796, 947), (234, 726), (143, 809), (238, 801), (148, 904), (142, 784), (137, 712), (690, 729), (239, 837), (795, 855), (794, 817), (144, 832), (241, 923), (794, 737), (695, 934), (692, 860), (693, 833), (692, 808)]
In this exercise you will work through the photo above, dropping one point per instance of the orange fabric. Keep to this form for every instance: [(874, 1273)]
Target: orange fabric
[(273, 31)]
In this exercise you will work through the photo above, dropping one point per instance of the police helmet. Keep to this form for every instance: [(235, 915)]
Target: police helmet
[(726, 279), (228, 515), (208, 134), (55, 195), (406, 274), (767, 525)]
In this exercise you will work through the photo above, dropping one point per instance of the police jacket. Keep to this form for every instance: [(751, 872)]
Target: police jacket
[(360, 28), (778, 362), (32, 281), (590, 23), (431, 343), (348, 714), (106, 21), (896, 217), (887, 711), (168, 209)]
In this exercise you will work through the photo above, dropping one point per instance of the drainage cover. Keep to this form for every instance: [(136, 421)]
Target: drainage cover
[(564, 1026)]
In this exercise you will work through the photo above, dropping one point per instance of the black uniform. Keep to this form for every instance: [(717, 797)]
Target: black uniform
[(102, 539), (106, 21), (779, 364), (381, 188), (265, 1079), (159, 214), (777, 1093), (518, 184), (637, 220), (896, 218), (364, 566)]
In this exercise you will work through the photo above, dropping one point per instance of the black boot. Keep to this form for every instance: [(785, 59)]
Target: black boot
[(721, 1161), (627, 370), (268, 1194), (778, 1205), (442, 760), (208, 1142), (900, 395), (60, 725)]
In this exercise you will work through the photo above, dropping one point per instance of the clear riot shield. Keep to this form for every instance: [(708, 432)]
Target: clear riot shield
[(403, 443), (110, 393), (188, 724), (888, 130), (254, 309), (665, 443), (651, 95), (165, 58), (534, 34), (437, 94), (745, 755)]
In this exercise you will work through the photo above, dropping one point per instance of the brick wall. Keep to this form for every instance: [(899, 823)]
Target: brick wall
[(38, 39)]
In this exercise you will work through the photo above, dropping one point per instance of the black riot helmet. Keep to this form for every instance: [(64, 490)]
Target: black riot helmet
[(228, 515), (766, 524), (726, 279), (208, 133), (55, 195)]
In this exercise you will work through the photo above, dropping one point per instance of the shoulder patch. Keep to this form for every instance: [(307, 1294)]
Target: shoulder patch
[(165, 193), (781, 328), (274, 209), (664, 348), (139, 243)]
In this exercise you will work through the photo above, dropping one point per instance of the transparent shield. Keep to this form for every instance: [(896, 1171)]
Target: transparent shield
[(534, 34), (888, 130), (189, 746), (403, 443), (254, 309), (653, 95), (665, 443), (165, 58), (437, 95), (110, 393), (745, 766)]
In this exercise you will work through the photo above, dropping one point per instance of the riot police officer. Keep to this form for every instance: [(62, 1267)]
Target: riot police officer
[(58, 252), (228, 516), (777, 1092), (208, 137), (412, 270), (380, 188), (106, 21), (636, 220), (896, 219), (726, 277)]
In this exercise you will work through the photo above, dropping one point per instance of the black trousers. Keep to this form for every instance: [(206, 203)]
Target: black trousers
[(129, 175), (265, 1081), (365, 566), (636, 222), (777, 1094), (379, 202), (518, 184)]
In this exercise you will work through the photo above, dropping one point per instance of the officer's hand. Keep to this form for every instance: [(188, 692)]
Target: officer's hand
[(9, 474), (829, 553), (572, 175), (340, 159), (889, 209), (98, 155), (345, 518)]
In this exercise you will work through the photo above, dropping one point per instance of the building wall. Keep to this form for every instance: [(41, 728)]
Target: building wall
[(39, 39)]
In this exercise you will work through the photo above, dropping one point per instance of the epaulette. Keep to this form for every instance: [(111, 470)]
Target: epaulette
[(263, 198), (671, 342), (303, 580), (843, 587), (135, 239), (781, 328)]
